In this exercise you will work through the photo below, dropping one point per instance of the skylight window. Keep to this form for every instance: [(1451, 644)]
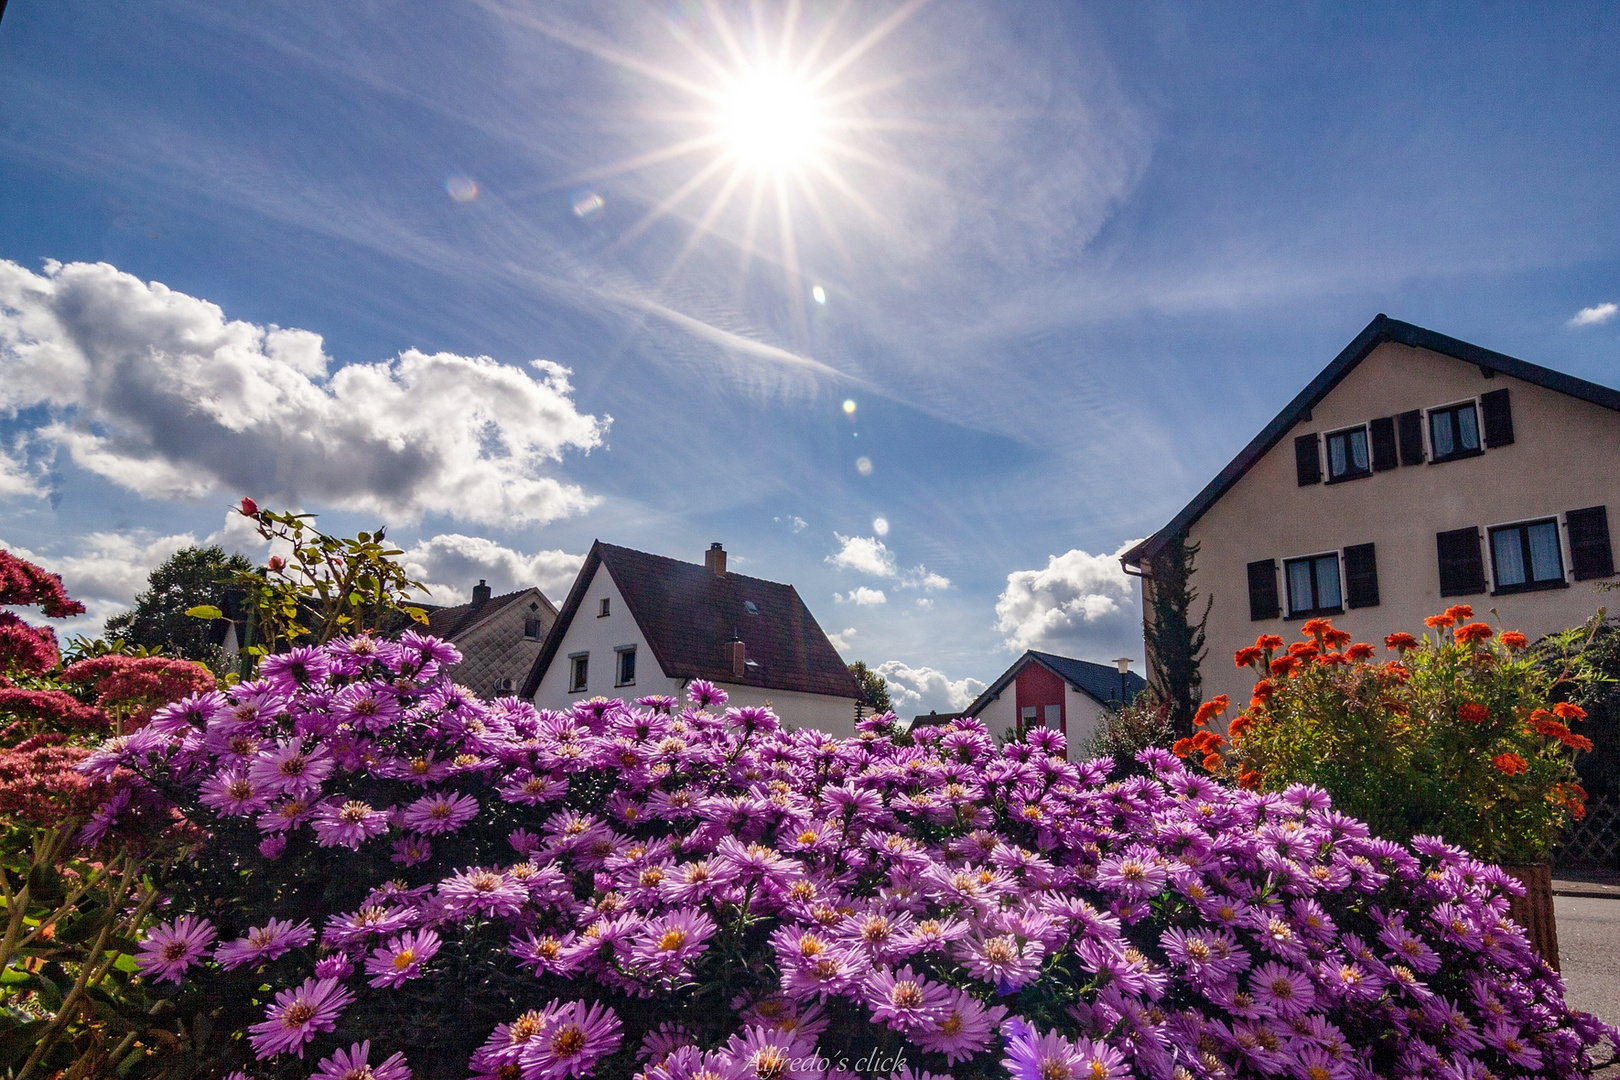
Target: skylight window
[(752, 609)]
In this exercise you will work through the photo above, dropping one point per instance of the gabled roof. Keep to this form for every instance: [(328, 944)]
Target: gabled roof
[(450, 622), (687, 613), (1099, 681), (1379, 331)]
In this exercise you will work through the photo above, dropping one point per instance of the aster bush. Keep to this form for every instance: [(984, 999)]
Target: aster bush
[(1454, 733), (399, 876)]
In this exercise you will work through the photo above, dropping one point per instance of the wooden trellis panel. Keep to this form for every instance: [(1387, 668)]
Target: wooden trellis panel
[(1594, 840)]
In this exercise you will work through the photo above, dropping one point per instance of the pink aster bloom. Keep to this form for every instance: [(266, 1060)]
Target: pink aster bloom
[(410, 850), (575, 1038), (773, 1054), (672, 941), (1001, 960), (262, 943), (366, 707), (297, 1016), (353, 1064), (230, 792), (292, 671), (440, 812), (172, 947), (702, 693), (904, 1000), (348, 823), (402, 958), (1033, 1056), (290, 769), (962, 1029), (488, 892)]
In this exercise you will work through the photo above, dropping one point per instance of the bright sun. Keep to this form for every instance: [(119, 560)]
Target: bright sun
[(770, 119)]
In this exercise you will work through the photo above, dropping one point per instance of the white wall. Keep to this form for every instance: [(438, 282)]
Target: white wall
[(590, 632), (1083, 714), (1001, 714), (834, 715)]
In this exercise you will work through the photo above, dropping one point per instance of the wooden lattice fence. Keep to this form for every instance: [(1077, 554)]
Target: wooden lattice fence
[(1594, 841)]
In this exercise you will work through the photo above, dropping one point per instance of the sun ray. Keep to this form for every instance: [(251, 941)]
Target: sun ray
[(700, 230), (861, 47), (668, 203)]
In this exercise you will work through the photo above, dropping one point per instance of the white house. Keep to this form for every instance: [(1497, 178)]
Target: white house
[(637, 624), (1046, 690)]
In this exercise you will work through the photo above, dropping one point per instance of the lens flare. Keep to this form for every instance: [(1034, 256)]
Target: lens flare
[(586, 203), (849, 407), (880, 526), (863, 465), (463, 189), (818, 294)]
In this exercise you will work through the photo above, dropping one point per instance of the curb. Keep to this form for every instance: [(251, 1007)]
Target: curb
[(1588, 894)]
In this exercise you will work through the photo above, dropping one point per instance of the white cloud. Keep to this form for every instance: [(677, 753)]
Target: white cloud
[(924, 602), (160, 393), (840, 640), (863, 596), (918, 689), (451, 564), (1079, 601), (869, 555), (105, 572), (793, 522), (1593, 316), (14, 478)]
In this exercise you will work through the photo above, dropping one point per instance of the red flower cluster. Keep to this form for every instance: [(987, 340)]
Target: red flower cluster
[(1510, 764), (1206, 743), (54, 709), (139, 684), (23, 584), (30, 650), (1473, 712), (1547, 724), (38, 782), (1472, 632), (1211, 709), (1400, 641), (1515, 640)]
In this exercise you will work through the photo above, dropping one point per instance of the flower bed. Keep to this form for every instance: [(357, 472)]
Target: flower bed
[(399, 874)]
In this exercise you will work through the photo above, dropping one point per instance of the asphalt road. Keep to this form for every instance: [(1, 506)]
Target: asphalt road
[(1589, 954)]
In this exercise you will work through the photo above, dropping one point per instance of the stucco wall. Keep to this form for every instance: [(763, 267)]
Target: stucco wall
[(834, 715), (1000, 713), (1083, 714), (1566, 456), (590, 632)]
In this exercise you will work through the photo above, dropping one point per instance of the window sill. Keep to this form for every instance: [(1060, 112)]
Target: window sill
[(1458, 456), (1317, 614), (1530, 586), (1347, 477)]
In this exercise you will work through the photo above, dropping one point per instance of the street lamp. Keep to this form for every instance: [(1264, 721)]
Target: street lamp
[(1124, 665)]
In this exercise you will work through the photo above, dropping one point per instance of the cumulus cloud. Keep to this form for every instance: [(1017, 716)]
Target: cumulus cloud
[(1593, 316), (104, 571), (869, 555), (793, 522), (920, 689), (862, 596), (159, 392), (1079, 602), (451, 564), (840, 640), (14, 478)]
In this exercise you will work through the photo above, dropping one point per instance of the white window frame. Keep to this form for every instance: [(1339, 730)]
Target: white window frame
[(618, 664), (575, 684)]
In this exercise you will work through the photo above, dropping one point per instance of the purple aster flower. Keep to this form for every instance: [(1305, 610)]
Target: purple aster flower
[(1135, 875), (440, 812), (297, 1016), (271, 847), (353, 1064), (194, 710), (1001, 960), (263, 943), (290, 769), (425, 653), (348, 824), (367, 707), (232, 793), (488, 892), (963, 1028), (702, 693), (574, 1039), (412, 849), (402, 958), (172, 947), (671, 941), (905, 1000), (357, 927), (1285, 990), (337, 966), (1033, 1056), (292, 671), (772, 1054)]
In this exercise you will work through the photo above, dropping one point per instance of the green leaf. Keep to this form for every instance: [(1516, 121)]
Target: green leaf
[(16, 1044), (205, 611)]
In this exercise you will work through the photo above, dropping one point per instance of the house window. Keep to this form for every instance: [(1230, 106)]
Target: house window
[(579, 670), (1054, 717), (1347, 455), (1454, 432), (605, 606), (1313, 585), (1526, 556), (531, 628), (626, 675), (1027, 717)]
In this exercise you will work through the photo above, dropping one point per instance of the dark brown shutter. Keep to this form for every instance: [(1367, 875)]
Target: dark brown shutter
[(1411, 427), (1462, 568), (1589, 546), (1383, 444), (1308, 459), (1263, 602), (1361, 576), (1498, 418)]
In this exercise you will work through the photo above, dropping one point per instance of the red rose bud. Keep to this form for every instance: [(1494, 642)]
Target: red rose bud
[(277, 562), (249, 508)]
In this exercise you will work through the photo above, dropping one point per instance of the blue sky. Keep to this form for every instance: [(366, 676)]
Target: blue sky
[(1072, 257)]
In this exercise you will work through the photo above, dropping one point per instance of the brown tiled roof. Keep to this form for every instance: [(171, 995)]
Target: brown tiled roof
[(447, 622), (688, 614)]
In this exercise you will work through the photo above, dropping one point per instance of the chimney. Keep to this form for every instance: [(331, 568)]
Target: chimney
[(480, 592), (737, 651), (715, 559)]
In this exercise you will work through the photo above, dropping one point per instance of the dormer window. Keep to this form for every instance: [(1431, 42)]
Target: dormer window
[(1454, 432), (606, 606), (1347, 455)]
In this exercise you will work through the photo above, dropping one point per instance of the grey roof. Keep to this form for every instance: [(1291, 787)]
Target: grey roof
[(1100, 681), (1377, 332)]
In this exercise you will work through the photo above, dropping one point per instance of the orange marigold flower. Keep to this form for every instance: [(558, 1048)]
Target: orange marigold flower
[(1181, 747), (1212, 762), (1249, 779), (1268, 641), (1303, 649), (1337, 638), (1514, 640), (1474, 631), (1313, 627), (1568, 710), (1510, 764), (1460, 612), (1473, 712), (1361, 650), (1333, 659), (1401, 641), (1436, 622), (1578, 742), (1284, 666), (1262, 692), (1248, 655), (1211, 709), (1577, 811)]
